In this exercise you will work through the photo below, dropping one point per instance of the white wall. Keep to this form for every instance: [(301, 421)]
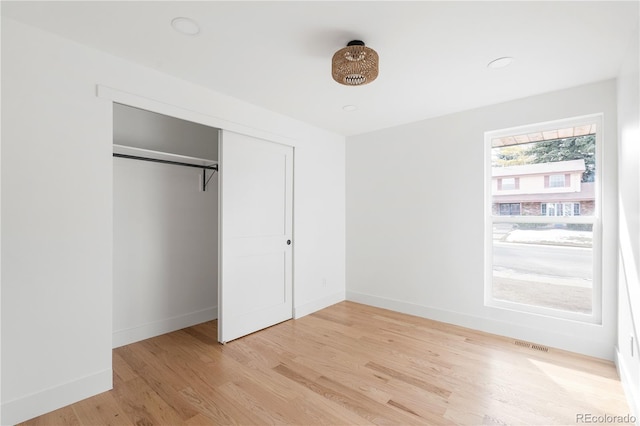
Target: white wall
[(0, 236), (165, 229), (57, 223), (56, 226), (629, 224), (415, 218), (148, 130)]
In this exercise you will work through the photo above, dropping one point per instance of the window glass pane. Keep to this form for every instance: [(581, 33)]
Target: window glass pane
[(546, 178), (512, 209), (545, 265), (508, 183), (556, 181)]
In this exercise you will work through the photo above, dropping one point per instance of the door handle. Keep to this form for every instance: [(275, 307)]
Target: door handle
[(288, 242)]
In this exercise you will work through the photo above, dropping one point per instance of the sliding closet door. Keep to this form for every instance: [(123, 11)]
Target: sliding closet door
[(256, 194)]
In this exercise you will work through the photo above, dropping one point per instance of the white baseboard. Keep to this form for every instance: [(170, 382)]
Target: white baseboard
[(30, 406), (547, 338), (413, 309), (632, 392), (167, 325), (316, 305)]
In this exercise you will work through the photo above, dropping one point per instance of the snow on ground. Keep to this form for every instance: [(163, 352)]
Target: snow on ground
[(551, 236)]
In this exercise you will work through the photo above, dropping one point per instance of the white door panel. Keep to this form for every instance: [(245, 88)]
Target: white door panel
[(256, 187), (268, 291)]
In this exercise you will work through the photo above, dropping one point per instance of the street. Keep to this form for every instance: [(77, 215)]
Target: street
[(547, 260), (552, 276)]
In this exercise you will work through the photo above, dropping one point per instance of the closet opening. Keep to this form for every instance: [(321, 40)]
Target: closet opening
[(165, 224)]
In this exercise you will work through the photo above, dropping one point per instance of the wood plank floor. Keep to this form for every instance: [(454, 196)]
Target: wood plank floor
[(349, 364)]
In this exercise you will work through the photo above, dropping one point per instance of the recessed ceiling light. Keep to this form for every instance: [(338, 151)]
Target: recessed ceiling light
[(349, 107), (500, 62), (185, 26)]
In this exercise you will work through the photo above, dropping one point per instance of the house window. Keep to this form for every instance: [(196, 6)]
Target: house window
[(509, 209), (546, 264), (508, 183), (556, 181), (560, 209)]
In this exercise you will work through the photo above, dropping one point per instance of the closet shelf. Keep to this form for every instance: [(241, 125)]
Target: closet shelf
[(163, 156)]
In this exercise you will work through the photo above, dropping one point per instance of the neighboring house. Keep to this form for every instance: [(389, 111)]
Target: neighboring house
[(545, 189)]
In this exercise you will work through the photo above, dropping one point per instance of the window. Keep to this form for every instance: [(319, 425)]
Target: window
[(508, 183), (509, 209), (556, 181), (543, 253), (560, 209)]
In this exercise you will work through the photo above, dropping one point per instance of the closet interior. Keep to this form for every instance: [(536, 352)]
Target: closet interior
[(165, 224)]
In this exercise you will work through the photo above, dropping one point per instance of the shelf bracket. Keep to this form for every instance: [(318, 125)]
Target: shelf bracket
[(205, 181)]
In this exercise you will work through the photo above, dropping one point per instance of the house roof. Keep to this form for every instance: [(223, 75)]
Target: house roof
[(541, 168), (586, 193)]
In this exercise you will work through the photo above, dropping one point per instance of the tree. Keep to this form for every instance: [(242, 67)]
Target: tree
[(576, 148), (512, 155)]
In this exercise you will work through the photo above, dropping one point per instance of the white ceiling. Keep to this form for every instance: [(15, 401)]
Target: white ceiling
[(433, 55)]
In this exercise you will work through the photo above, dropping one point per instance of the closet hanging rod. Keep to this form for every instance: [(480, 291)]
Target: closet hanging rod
[(175, 163)]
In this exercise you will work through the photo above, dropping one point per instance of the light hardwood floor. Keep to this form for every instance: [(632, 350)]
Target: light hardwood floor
[(349, 364)]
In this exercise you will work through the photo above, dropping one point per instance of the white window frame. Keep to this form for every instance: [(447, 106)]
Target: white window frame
[(595, 317)]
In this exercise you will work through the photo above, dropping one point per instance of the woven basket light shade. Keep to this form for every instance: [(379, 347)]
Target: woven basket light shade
[(355, 65)]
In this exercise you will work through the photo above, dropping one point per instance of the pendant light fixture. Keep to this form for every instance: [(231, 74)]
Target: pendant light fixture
[(355, 65)]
